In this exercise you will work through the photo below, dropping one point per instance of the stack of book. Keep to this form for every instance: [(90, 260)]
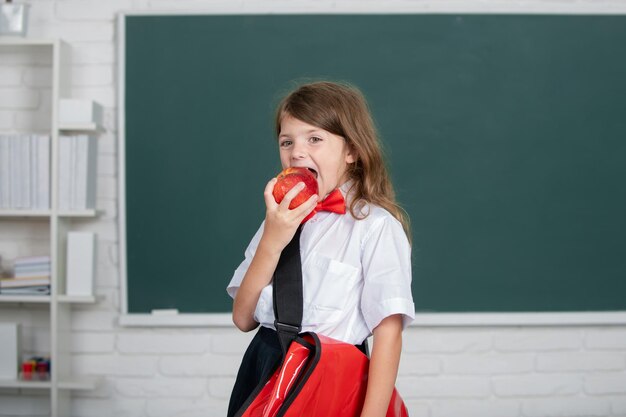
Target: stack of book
[(24, 171), (77, 172), (31, 277)]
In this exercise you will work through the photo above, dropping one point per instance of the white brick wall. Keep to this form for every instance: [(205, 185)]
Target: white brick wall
[(18, 99), (10, 76), (606, 339), (538, 339), (32, 405), (445, 372)]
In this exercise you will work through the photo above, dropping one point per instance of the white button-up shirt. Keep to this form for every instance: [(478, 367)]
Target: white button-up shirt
[(354, 274)]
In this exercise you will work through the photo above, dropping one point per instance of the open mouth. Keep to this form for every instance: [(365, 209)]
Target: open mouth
[(314, 172)]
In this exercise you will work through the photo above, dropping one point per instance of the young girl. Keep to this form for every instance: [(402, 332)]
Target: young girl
[(356, 267)]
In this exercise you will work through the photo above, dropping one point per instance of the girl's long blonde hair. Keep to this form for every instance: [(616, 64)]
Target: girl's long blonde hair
[(341, 109)]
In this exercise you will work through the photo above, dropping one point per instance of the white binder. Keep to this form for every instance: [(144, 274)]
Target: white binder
[(9, 350), (81, 252)]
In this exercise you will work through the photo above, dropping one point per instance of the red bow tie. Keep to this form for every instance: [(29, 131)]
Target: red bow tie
[(334, 202)]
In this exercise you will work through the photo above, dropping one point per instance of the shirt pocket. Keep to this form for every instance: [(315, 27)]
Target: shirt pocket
[(328, 283)]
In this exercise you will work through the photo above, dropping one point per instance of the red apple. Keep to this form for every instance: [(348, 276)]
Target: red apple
[(288, 178)]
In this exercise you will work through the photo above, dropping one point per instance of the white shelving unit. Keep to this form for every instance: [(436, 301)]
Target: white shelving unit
[(62, 381)]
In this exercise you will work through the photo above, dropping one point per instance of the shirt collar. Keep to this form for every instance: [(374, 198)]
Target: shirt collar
[(347, 191)]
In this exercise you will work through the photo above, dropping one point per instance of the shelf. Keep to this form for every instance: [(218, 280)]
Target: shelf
[(80, 383), (48, 213), (24, 298), (84, 127), (78, 213), (57, 338), (27, 42), (18, 383), (70, 299), (78, 299), (25, 213)]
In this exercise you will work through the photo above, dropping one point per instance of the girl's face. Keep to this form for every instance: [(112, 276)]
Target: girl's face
[(327, 155)]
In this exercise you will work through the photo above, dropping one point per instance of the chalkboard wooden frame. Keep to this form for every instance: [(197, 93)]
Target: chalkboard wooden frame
[(167, 318)]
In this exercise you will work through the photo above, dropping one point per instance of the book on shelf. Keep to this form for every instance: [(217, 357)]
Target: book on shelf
[(24, 171), (5, 172), (32, 260), (31, 272), (27, 271), (34, 290), (34, 281), (25, 267), (78, 171), (65, 171), (42, 176)]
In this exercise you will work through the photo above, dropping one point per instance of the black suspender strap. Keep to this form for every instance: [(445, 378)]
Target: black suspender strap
[(287, 293)]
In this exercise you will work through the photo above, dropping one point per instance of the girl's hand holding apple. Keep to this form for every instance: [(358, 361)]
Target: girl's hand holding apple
[(289, 198)]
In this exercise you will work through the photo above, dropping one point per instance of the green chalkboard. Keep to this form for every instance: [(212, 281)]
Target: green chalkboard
[(505, 135)]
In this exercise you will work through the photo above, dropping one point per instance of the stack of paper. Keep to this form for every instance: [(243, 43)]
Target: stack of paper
[(31, 266), (24, 171), (31, 276), (32, 290)]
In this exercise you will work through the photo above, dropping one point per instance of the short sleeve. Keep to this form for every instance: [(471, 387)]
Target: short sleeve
[(241, 270), (386, 261)]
